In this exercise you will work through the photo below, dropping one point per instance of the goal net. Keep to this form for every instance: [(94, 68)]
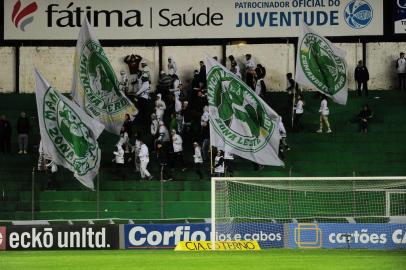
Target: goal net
[(249, 207)]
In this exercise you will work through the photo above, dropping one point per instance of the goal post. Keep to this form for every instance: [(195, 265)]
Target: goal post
[(242, 206)]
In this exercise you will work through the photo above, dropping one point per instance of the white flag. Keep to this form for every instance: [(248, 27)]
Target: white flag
[(68, 134), (95, 87), (240, 121), (321, 65)]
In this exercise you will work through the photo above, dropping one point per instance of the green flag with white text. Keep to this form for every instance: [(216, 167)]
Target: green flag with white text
[(95, 87), (68, 134), (320, 65), (240, 121)]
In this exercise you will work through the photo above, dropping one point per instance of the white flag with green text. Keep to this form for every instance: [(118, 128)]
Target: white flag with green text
[(240, 121), (320, 65), (68, 134), (95, 87)]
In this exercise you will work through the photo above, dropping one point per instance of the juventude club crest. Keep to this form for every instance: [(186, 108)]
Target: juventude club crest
[(322, 67), (239, 116), (70, 136), (99, 81)]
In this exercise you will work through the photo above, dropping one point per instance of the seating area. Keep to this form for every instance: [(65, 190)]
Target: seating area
[(345, 152)]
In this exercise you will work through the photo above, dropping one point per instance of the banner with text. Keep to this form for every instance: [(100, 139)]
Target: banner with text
[(169, 235), (59, 237), (190, 19), (344, 235)]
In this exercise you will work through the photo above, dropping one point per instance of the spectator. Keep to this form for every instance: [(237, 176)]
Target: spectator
[(128, 124), (324, 113), (283, 145), (260, 87), (172, 67), (401, 69), (160, 107), (133, 62), (5, 135), (119, 160), (177, 144), (143, 93), (364, 116), (234, 68), (219, 164), (250, 71), (229, 163), (298, 113), (136, 150), (144, 160), (292, 89), (198, 160), (163, 133), (164, 84), (202, 74), (162, 156), (23, 127), (361, 75), (154, 126), (173, 123), (205, 132), (123, 82)]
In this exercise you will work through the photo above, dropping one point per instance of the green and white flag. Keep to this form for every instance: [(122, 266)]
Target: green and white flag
[(68, 134), (321, 66), (240, 121), (95, 87)]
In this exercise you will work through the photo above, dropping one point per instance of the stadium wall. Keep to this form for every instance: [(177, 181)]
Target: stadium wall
[(56, 62)]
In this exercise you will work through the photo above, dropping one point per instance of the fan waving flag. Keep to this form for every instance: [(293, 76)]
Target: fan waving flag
[(240, 121), (321, 65), (95, 87), (68, 134)]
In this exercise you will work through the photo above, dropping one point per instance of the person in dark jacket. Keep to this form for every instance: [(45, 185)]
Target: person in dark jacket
[(202, 74), (5, 135), (23, 127), (163, 158), (364, 116), (361, 75)]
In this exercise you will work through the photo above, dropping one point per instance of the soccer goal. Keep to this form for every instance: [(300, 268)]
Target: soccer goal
[(248, 206)]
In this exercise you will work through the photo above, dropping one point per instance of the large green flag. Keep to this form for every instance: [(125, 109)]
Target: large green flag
[(240, 121), (95, 85), (321, 66), (68, 134)]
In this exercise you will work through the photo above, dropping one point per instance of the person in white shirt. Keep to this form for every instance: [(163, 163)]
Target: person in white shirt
[(177, 144), (160, 107), (401, 70), (198, 160), (172, 67), (229, 163), (136, 150), (283, 145), (260, 87), (234, 68), (219, 164), (119, 160), (144, 81), (298, 112), (144, 160), (324, 113)]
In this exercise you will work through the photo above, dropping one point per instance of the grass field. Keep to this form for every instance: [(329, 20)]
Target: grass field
[(267, 259)]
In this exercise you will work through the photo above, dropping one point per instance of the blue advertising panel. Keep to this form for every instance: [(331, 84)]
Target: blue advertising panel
[(342, 235), (400, 17), (169, 235)]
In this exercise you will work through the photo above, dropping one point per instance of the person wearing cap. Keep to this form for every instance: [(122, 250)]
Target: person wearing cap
[(219, 164), (177, 144), (198, 160), (144, 160), (160, 107), (119, 159), (172, 68), (133, 62), (401, 69), (250, 71)]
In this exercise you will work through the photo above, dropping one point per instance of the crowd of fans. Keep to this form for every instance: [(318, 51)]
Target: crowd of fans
[(178, 117)]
